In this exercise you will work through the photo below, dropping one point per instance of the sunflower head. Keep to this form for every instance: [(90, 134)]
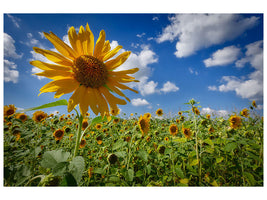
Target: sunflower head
[(235, 121), (70, 136), (83, 143), (254, 104), (22, 117), (161, 149), (159, 112), (211, 129), (143, 124), (58, 134), (112, 158), (87, 69), (195, 110), (9, 110), (245, 112), (208, 116), (187, 132), (84, 124), (98, 126), (173, 129), (39, 116), (180, 113)]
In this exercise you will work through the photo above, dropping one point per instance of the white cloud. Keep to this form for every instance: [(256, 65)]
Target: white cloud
[(219, 113), (15, 20), (212, 88), (9, 47), (169, 87), (223, 57), (139, 102), (150, 38), (192, 71), (250, 87), (147, 87), (155, 18), (10, 72), (32, 41), (141, 35), (197, 31), (41, 34)]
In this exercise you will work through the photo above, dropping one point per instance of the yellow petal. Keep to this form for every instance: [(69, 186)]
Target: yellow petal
[(112, 53), (99, 44), (53, 56), (75, 98), (102, 103), (55, 74), (114, 63), (61, 46), (46, 66), (112, 100), (90, 44), (114, 89), (53, 86), (83, 41), (65, 90), (129, 71), (73, 37), (91, 100), (121, 86)]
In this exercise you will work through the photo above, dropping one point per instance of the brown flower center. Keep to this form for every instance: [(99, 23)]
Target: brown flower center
[(59, 133), (90, 71)]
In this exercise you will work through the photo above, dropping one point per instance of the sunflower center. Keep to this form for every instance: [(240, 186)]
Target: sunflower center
[(90, 71), (173, 129), (59, 133)]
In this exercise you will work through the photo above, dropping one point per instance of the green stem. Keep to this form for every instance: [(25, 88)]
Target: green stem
[(79, 134), (197, 153)]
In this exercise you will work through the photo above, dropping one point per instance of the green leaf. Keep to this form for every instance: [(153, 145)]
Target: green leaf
[(60, 168), (230, 146), (98, 171), (62, 102), (121, 154), (179, 171), (143, 155), (218, 160), (148, 168), (52, 158), (119, 144), (68, 180), (250, 178), (77, 167), (129, 175), (194, 162), (37, 150)]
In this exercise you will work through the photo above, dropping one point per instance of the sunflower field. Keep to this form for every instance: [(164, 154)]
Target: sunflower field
[(189, 149)]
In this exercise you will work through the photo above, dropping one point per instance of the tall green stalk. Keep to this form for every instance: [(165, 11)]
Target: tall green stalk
[(79, 134)]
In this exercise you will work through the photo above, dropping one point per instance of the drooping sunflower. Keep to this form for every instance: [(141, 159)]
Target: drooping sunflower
[(245, 112), (87, 70), (195, 110), (235, 121), (9, 110), (187, 132), (254, 104), (143, 124), (147, 115), (39, 116), (116, 120), (211, 129), (22, 117), (159, 112), (173, 129), (58, 134), (208, 116)]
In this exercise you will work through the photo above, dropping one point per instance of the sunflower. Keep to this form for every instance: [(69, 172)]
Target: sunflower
[(211, 129), (58, 134), (180, 113), (182, 118), (70, 136), (159, 112), (9, 110), (90, 172), (98, 126), (187, 132), (84, 124), (254, 104), (83, 143), (114, 112), (208, 116), (147, 115), (235, 121), (177, 121), (245, 112), (173, 129), (116, 120), (195, 110), (39, 116), (166, 139), (143, 124), (22, 117), (87, 70)]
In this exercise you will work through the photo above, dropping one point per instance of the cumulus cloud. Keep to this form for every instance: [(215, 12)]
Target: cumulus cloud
[(223, 57), (155, 18), (139, 102), (169, 87), (197, 31), (15, 20), (10, 72), (9, 47), (212, 88), (250, 87), (141, 35), (219, 113)]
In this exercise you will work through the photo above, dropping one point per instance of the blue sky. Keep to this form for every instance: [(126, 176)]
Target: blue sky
[(216, 59)]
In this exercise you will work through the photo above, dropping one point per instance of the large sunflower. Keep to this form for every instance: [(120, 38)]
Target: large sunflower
[(87, 70)]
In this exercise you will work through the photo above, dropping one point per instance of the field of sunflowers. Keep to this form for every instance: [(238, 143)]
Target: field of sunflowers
[(189, 149)]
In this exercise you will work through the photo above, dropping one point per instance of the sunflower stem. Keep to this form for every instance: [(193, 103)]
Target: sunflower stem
[(79, 134)]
